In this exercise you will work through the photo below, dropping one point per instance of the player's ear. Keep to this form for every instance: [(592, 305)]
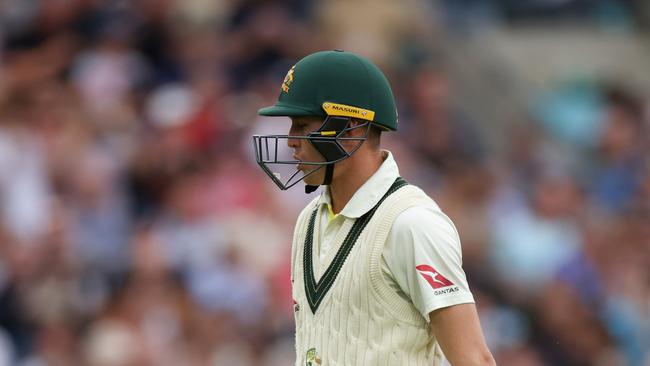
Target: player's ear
[(357, 128)]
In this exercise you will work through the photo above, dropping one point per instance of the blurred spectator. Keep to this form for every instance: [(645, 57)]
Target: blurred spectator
[(536, 233), (135, 228), (620, 159)]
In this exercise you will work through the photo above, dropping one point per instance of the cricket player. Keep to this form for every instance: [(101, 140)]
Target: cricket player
[(376, 265)]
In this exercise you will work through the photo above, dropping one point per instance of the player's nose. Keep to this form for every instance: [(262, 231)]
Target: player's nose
[(293, 143)]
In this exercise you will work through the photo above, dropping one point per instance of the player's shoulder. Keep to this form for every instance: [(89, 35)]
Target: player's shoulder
[(426, 215), (422, 199), (309, 208)]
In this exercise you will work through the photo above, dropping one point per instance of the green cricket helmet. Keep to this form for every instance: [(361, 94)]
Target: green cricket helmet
[(338, 87)]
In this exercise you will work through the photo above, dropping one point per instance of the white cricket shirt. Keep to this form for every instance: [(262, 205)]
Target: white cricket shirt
[(422, 258)]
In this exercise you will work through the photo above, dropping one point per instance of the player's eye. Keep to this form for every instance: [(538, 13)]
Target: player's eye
[(304, 127), (297, 129)]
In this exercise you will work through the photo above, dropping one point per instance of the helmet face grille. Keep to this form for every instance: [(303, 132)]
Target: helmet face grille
[(282, 171), (275, 158)]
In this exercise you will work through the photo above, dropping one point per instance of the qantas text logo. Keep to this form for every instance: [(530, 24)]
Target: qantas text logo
[(435, 279)]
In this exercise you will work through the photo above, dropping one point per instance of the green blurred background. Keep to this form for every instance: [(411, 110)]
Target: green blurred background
[(136, 229)]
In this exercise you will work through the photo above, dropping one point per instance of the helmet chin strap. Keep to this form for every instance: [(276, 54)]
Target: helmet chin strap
[(329, 173)]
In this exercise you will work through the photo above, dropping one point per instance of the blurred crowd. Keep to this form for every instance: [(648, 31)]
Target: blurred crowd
[(136, 228)]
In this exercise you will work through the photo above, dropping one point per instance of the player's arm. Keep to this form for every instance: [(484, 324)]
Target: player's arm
[(458, 331), (424, 257)]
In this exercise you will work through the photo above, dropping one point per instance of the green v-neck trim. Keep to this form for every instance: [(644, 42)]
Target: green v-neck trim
[(316, 291)]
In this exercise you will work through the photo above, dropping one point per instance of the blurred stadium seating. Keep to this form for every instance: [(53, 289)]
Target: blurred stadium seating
[(136, 229)]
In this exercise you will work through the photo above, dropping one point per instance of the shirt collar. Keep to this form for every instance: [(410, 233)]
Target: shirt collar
[(367, 196)]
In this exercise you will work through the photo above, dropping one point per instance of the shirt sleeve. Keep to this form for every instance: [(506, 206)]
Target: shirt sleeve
[(422, 258)]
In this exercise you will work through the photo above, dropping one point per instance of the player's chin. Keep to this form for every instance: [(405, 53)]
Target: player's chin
[(313, 178)]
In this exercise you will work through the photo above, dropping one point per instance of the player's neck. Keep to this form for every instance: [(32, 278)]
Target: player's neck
[(355, 174)]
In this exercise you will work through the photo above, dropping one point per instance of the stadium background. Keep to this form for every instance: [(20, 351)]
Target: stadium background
[(135, 228)]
